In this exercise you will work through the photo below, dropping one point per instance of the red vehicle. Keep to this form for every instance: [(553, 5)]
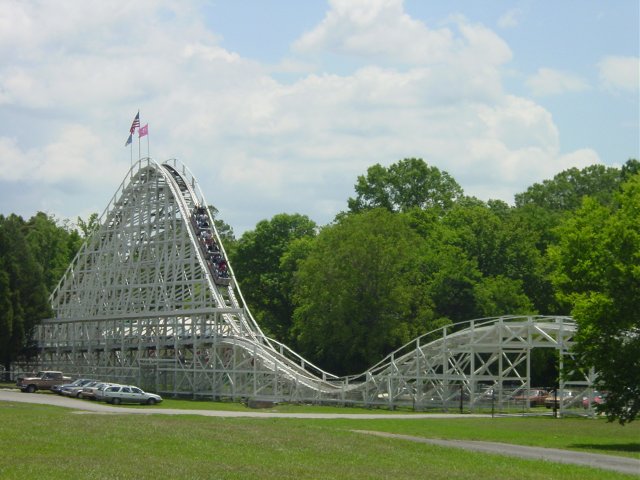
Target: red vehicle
[(597, 398), (553, 400), (535, 398)]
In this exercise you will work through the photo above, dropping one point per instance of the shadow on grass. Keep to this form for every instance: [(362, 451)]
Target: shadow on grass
[(633, 447)]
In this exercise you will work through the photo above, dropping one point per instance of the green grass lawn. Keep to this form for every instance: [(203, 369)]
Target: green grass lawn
[(50, 442)]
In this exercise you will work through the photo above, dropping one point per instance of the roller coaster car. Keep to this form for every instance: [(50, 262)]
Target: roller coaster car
[(220, 280)]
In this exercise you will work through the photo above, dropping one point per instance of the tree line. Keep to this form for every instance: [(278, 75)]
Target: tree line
[(34, 255), (410, 253)]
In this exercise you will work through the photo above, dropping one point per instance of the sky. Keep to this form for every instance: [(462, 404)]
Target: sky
[(278, 106)]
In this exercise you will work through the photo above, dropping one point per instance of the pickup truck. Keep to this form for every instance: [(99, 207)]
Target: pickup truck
[(42, 381)]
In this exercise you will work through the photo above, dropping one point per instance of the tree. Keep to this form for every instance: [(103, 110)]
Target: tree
[(500, 295), (597, 272), (22, 289), (566, 190), (225, 231), (6, 319), (257, 259), (89, 226), (53, 246), (406, 184), (359, 293), (629, 169), (478, 249)]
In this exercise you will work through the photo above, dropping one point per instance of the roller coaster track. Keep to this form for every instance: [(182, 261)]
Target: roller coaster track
[(152, 299)]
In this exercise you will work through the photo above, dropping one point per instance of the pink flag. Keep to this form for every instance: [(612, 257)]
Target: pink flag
[(142, 131)]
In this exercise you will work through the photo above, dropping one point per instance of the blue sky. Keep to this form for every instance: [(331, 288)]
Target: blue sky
[(277, 106)]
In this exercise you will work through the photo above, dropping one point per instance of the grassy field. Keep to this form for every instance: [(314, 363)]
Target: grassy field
[(38, 440)]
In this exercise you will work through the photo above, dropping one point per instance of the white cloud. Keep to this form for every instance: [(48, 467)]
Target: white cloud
[(381, 30), (547, 81), (76, 156), (620, 73), (14, 163), (377, 28), (510, 19)]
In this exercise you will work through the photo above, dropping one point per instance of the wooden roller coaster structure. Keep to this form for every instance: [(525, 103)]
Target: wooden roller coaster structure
[(151, 299)]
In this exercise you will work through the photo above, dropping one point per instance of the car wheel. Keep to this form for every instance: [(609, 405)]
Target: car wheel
[(151, 401), (116, 401), (79, 395), (30, 388)]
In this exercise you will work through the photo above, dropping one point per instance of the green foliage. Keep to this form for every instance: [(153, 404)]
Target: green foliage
[(567, 189), (359, 293), (33, 257), (52, 246), (225, 231), (89, 226), (404, 185), (475, 245), (451, 279), (22, 288), (496, 295), (6, 317), (597, 273), (264, 275)]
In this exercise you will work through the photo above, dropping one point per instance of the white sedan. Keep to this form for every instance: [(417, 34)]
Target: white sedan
[(117, 394)]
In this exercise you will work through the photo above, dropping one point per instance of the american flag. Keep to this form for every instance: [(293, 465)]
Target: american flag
[(135, 124)]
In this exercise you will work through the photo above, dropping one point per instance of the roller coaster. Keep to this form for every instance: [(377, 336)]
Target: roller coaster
[(152, 299)]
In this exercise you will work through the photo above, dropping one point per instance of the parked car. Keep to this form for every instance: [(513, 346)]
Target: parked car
[(598, 398), (553, 400), (76, 390), (535, 398), (89, 391), (117, 394), (44, 380), (99, 392), (76, 383)]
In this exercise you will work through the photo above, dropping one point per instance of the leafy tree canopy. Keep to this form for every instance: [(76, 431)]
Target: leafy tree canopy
[(597, 272), (359, 293), (406, 184), (52, 245), (225, 231), (87, 227), (257, 264), (567, 189), (23, 294)]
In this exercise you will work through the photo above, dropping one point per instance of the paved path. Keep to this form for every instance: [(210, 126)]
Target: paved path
[(607, 462), (85, 405), (596, 460)]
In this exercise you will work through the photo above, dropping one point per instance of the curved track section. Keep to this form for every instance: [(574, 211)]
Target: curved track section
[(151, 299)]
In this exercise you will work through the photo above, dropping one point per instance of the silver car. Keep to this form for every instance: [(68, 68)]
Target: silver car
[(76, 390), (117, 394), (77, 383), (90, 390)]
